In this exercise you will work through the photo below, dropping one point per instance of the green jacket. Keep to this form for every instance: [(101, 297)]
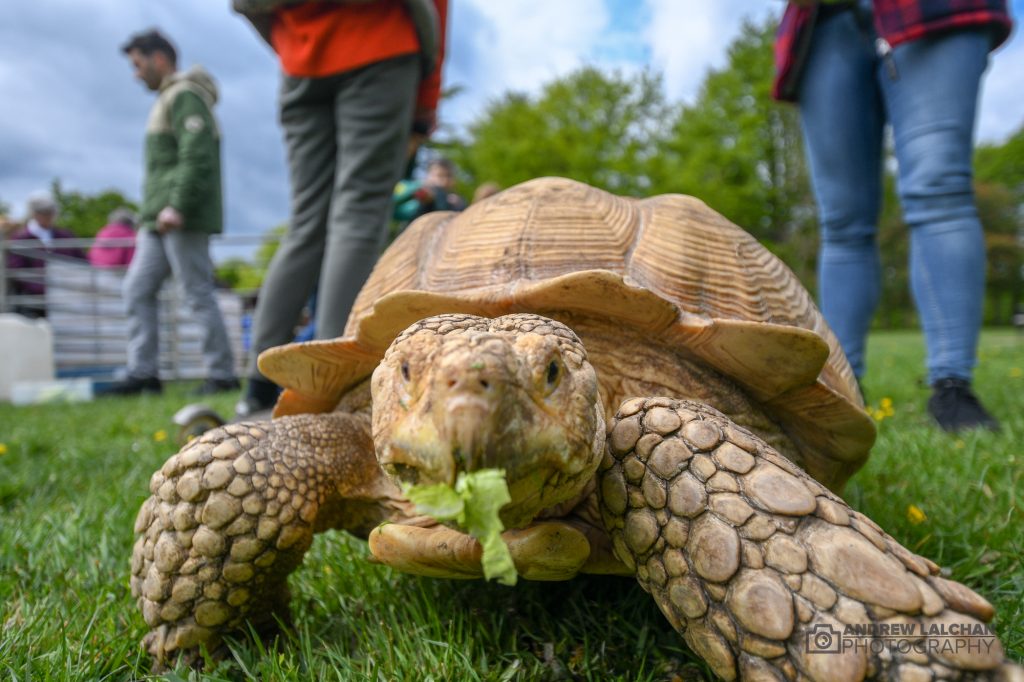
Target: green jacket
[(183, 154)]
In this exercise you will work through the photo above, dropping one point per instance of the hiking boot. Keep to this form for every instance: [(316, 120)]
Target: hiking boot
[(955, 407), (136, 386), (260, 396), (214, 386)]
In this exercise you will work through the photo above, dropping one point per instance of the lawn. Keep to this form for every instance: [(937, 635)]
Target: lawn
[(73, 476)]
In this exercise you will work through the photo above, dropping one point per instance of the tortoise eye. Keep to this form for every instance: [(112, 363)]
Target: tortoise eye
[(553, 374), (405, 370)]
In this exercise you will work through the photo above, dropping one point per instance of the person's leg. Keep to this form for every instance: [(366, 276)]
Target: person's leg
[(373, 114), (147, 272), (307, 117), (842, 120), (932, 107), (189, 256)]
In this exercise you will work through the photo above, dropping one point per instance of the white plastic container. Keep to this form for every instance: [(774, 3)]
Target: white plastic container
[(26, 352), (59, 391)]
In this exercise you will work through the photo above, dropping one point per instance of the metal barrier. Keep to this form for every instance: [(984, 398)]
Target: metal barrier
[(86, 311)]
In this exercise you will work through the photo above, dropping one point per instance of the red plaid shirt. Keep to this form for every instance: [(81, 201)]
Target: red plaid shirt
[(895, 20)]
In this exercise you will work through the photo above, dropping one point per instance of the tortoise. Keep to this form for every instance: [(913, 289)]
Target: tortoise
[(663, 395)]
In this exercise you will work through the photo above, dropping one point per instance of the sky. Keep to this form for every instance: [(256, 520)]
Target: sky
[(70, 108)]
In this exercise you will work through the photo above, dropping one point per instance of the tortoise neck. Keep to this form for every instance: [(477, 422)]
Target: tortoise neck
[(630, 364)]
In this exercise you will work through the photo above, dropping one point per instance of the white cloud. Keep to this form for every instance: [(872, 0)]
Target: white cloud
[(495, 47), (688, 38)]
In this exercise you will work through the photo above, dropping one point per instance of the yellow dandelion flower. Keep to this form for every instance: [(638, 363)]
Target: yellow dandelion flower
[(915, 515), (3, 448), (958, 444), (1016, 372), (160, 436)]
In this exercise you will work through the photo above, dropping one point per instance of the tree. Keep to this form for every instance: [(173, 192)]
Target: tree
[(591, 126), (999, 208), (85, 214), (243, 275), (1002, 164)]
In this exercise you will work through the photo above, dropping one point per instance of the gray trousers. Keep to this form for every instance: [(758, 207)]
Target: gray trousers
[(347, 138), (187, 256)]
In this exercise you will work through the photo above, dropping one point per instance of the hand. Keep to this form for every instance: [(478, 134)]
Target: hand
[(426, 195), (415, 141), (424, 122), (168, 220)]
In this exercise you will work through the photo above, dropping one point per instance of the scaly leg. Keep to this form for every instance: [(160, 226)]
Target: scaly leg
[(765, 572), (232, 514)]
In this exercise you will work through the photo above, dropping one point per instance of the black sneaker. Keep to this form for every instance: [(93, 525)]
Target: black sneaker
[(955, 407), (136, 386), (213, 386), (260, 397)]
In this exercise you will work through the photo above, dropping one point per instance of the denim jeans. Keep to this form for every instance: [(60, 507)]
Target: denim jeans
[(927, 91)]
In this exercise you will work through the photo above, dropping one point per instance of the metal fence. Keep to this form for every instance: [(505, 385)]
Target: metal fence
[(86, 311)]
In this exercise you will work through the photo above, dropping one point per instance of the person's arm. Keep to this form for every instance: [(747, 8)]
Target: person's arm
[(410, 199), (18, 264), (195, 132)]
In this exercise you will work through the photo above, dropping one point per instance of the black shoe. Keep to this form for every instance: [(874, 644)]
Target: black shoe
[(213, 386), (260, 396), (136, 386), (955, 407)]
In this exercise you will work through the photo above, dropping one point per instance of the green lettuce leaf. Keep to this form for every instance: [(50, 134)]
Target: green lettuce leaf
[(473, 504), (440, 502)]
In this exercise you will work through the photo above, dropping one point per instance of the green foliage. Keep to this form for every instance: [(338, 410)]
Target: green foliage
[(999, 210), (84, 214), (242, 275), (239, 274), (594, 127), (1002, 164)]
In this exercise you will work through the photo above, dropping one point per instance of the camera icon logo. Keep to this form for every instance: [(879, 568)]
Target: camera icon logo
[(824, 639)]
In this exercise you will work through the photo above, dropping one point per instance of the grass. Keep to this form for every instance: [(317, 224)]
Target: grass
[(73, 476)]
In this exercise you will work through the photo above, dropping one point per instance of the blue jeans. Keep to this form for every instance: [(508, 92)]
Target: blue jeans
[(927, 90)]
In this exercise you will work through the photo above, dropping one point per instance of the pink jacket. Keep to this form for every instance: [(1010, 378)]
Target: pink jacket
[(101, 256)]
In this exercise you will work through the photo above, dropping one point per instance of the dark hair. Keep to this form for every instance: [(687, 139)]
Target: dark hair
[(149, 42)]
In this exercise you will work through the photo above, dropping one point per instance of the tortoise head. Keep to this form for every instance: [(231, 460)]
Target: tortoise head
[(461, 393)]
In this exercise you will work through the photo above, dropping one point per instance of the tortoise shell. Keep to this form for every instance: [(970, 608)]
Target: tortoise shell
[(667, 266)]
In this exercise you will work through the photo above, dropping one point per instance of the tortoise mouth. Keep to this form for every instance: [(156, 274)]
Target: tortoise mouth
[(538, 478)]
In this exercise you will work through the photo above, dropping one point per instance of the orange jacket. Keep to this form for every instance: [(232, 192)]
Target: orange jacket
[(316, 39)]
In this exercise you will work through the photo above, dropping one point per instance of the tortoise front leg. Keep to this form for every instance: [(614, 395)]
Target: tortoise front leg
[(762, 569), (232, 514)]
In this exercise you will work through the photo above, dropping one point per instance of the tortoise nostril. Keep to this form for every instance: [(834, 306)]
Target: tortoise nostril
[(452, 383), (485, 383)]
